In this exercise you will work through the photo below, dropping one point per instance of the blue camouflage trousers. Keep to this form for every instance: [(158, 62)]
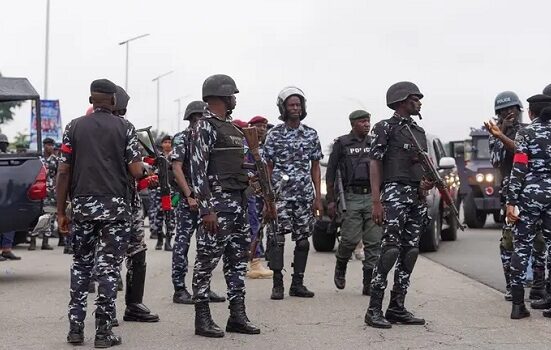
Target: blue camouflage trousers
[(107, 242), (136, 242), (254, 209), (158, 217), (186, 224), (405, 218), (534, 207), (295, 217), (231, 243)]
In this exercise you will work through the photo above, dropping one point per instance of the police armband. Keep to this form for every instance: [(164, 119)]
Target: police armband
[(520, 158), (146, 182)]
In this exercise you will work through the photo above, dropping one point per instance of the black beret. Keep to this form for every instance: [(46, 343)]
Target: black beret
[(104, 86), (539, 98), (48, 140)]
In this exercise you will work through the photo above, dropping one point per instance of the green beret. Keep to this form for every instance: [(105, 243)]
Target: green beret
[(359, 114)]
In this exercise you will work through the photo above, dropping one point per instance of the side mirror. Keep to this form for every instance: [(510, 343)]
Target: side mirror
[(446, 163)]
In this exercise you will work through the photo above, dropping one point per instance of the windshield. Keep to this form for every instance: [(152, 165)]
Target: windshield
[(481, 147)]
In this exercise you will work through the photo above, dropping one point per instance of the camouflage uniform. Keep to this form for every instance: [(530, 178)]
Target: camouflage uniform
[(405, 216), (186, 220), (530, 190), (100, 228), (51, 164), (291, 151), (502, 159), (233, 239)]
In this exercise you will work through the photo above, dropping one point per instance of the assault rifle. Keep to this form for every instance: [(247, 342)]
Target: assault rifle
[(432, 174), (339, 187), (162, 165), (264, 180)]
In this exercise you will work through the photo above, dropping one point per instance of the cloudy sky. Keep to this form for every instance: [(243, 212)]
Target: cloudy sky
[(343, 54)]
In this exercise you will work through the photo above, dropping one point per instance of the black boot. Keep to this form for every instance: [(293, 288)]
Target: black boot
[(547, 313), (182, 296), (45, 245), (238, 321), (298, 289), (159, 245), (135, 310), (204, 325), (368, 274), (168, 245), (104, 336), (76, 334), (544, 303), (32, 245), (61, 241), (120, 286), (519, 308), (374, 316), (538, 286), (340, 273), (68, 249), (277, 289), (215, 298), (91, 287), (397, 313)]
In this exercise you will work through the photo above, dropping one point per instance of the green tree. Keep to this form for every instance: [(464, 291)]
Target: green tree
[(21, 140), (7, 110)]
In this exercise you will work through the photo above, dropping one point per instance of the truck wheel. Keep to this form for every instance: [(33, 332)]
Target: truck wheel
[(430, 239), (473, 218), (323, 240)]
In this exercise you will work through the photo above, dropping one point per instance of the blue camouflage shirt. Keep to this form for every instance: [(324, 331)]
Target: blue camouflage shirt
[(291, 152)]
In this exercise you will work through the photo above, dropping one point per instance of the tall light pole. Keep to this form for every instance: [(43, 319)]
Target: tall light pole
[(126, 42), (158, 79), (45, 96), (179, 100)]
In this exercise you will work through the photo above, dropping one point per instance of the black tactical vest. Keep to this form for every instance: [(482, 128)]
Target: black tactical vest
[(355, 167), (99, 168), (226, 158), (401, 163)]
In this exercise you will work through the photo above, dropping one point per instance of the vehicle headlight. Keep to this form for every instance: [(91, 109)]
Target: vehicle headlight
[(479, 177), (489, 177)]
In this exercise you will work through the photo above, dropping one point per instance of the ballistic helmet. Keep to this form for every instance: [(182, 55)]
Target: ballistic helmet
[(547, 90), (284, 95), (194, 107), (506, 99), (400, 92), (121, 100), (219, 85)]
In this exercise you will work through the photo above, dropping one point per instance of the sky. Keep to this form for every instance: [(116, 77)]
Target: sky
[(343, 54)]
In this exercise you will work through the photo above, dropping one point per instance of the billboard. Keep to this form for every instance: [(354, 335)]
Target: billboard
[(51, 121)]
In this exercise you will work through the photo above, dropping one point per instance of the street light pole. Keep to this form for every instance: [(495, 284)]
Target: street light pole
[(157, 79), (47, 50), (179, 100), (126, 42)]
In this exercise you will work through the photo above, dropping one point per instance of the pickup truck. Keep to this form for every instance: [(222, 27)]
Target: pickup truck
[(22, 176)]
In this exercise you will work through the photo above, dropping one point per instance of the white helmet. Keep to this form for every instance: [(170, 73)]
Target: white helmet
[(285, 94)]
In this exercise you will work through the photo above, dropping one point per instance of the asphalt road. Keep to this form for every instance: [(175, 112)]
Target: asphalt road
[(475, 254)]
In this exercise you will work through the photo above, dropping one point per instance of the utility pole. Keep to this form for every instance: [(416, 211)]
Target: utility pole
[(126, 42), (45, 95), (179, 100), (158, 79)]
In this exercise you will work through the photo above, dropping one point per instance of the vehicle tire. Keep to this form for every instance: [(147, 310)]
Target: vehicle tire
[(473, 217), (430, 240), (498, 218), (323, 240)]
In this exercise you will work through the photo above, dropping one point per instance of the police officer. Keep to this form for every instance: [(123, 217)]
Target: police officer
[(136, 251), (187, 209), (547, 90), (508, 109), (4, 143), (399, 203), (220, 182), (349, 155), (98, 153), (50, 161), (293, 149), (529, 190)]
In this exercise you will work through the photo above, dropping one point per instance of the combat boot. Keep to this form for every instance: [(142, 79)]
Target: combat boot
[(204, 325), (277, 289), (256, 270), (182, 296), (139, 313), (120, 286), (374, 316), (397, 313), (368, 274), (104, 336), (547, 313), (91, 287), (76, 334), (298, 289), (519, 308), (61, 241), (340, 273), (215, 298), (544, 303), (32, 245), (538, 286), (159, 245), (168, 245), (238, 322), (45, 245)]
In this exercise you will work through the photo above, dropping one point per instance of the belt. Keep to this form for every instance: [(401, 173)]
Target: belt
[(359, 189)]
